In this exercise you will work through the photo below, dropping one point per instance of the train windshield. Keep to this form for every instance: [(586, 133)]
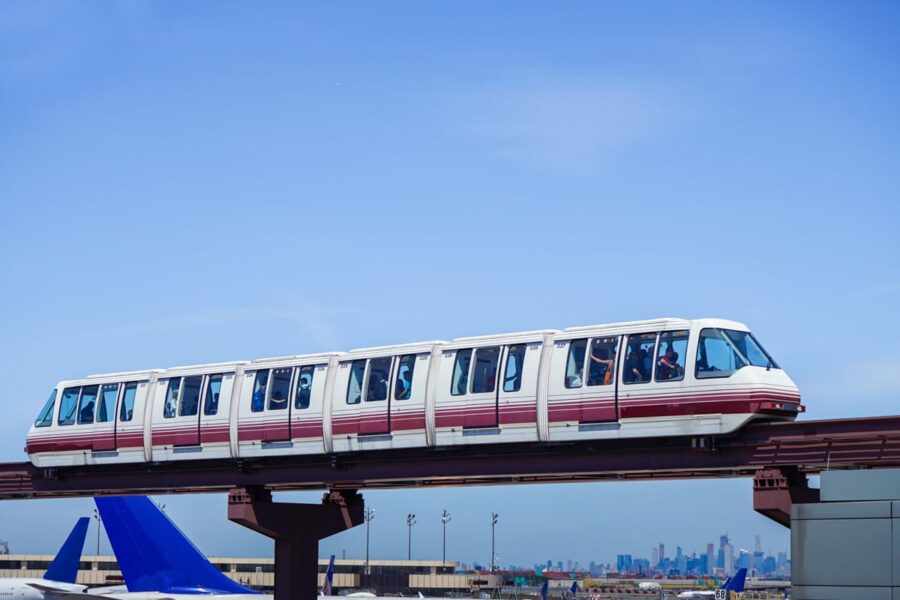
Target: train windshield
[(721, 352), (45, 417)]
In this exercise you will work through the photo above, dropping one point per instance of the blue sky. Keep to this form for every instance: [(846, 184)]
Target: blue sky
[(194, 182)]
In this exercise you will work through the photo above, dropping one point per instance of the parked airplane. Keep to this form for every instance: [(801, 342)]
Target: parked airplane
[(60, 576), (732, 584), (649, 586), (158, 562)]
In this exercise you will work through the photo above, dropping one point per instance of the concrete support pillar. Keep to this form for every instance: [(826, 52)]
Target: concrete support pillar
[(296, 529), (775, 491), (847, 546)]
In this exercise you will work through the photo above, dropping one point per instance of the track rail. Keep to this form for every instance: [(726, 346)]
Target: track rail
[(807, 446)]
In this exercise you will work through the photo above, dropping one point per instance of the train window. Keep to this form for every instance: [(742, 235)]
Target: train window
[(722, 352), (672, 352), (403, 385), (639, 358), (354, 386), (461, 372), (45, 417), (484, 373), (126, 411), (87, 404), (304, 386), (213, 388), (575, 364), (281, 389), (190, 396), (515, 359), (602, 362), (749, 348), (171, 403), (379, 379), (68, 405), (258, 401), (106, 410)]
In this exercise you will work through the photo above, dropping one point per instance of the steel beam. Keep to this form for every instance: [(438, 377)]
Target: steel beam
[(296, 529), (776, 490)]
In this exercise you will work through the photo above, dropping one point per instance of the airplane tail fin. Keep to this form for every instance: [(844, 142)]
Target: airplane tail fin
[(574, 589), (154, 555), (544, 589), (736, 583), (64, 567), (329, 577)]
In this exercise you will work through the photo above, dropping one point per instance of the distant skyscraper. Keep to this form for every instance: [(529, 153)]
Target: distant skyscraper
[(662, 552), (729, 559), (758, 544), (678, 552), (654, 559), (710, 558)]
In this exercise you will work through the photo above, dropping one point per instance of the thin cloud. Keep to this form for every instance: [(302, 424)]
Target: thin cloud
[(570, 125)]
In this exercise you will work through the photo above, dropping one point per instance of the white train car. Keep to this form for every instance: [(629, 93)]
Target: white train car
[(652, 378)]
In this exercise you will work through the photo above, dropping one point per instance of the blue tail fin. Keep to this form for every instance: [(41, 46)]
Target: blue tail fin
[(736, 583), (64, 567), (544, 589), (154, 555), (329, 577), (574, 589)]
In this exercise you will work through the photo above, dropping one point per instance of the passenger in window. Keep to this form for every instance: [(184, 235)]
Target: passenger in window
[(667, 367), (87, 413), (304, 388), (404, 385), (602, 364), (633, 365), (377, 386), (259, 398), (646, 364)]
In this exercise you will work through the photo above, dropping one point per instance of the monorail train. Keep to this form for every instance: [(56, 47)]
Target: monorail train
[(651, 378)]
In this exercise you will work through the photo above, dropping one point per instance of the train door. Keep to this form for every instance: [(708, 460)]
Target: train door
[(517, 393), (583, 385), (271, 397), (408, 392), (214, 413), (482, 399), (105, 417), (599, 398), (636, 395), (374, 415), (181, 412)]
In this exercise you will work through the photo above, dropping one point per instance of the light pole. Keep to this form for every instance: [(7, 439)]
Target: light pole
[(368, 516), (445, 518), (410, 521), (99, 521), (494, 517)]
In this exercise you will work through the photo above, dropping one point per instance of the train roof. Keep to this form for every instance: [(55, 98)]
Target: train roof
[(393, 347), (647, 323), (296, 358)]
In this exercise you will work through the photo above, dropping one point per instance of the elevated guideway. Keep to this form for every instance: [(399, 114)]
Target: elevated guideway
[(778, 455)]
